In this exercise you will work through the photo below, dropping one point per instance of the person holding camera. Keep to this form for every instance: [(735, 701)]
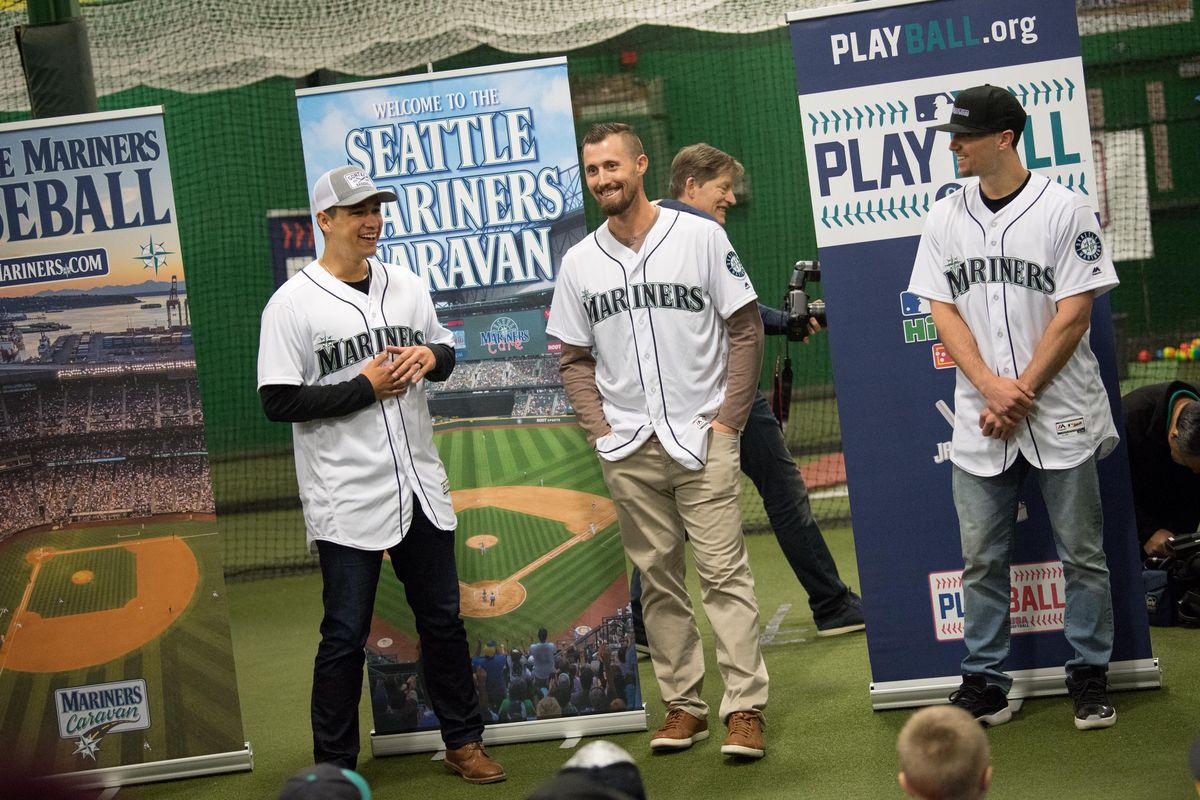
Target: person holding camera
[(702, 184), (1162, 429)]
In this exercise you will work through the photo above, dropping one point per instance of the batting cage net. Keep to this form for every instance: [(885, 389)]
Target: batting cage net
[(681, 72)]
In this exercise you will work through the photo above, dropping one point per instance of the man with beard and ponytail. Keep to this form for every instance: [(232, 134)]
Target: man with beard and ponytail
[(661, 350)]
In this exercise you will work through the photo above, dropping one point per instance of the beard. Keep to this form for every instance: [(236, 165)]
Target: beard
[(618, 205)]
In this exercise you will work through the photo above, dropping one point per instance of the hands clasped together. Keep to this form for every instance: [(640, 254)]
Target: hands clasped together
[(1009, 401), (393, 371)]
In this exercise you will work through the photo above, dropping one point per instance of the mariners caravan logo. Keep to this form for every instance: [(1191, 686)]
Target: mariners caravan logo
[(503, 335), (89, 713)]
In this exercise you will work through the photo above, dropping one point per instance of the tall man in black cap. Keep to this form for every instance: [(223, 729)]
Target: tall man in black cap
[(1011, 265)]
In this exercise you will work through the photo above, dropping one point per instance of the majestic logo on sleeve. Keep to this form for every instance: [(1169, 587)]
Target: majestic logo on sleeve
[(962, 274), (734, 265), (1088, 246), (602, 305), (335, 354)]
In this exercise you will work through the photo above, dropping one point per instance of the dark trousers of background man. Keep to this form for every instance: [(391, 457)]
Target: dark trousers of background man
[(768, 463), (424, 563)]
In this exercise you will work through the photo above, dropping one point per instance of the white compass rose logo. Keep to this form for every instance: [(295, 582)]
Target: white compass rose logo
[(154, 255)]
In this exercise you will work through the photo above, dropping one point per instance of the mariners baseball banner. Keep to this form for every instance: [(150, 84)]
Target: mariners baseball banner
[(115, 657), (873, 78), (485, 168)]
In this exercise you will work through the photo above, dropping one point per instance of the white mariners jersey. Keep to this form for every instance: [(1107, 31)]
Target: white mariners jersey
[(1006, 272), (357, 473), (655, 320)]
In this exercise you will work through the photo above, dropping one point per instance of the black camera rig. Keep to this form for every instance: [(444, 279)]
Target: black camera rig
[(797, 306)]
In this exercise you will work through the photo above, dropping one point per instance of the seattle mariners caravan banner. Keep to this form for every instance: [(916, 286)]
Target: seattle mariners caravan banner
[(873, 78), (115, 659), (485, 167)]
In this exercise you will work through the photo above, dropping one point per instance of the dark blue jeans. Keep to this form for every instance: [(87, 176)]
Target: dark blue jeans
[(768, 463), (424, 563)]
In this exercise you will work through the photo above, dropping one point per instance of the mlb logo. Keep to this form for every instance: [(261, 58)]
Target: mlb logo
[(929, 107), (912, 305), (941, 357)]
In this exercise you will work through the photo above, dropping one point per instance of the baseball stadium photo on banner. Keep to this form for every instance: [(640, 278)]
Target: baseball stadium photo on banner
[(738, 399), (111, 579), (487, 199)]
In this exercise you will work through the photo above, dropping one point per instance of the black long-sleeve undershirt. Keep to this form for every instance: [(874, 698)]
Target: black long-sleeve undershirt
[(286, 403)]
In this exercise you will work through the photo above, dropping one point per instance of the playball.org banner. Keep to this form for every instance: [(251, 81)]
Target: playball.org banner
[(873, 78)]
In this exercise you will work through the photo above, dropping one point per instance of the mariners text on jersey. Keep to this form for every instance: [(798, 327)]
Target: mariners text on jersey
[(334, 354), (962, 274), (603, 305)]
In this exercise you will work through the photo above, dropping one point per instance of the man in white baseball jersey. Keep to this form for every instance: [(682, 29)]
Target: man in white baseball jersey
[(661, 349), (344, 349), (1011, 264)]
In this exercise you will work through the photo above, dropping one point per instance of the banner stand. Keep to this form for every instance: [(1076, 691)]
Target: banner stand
[(394, 744), (1140, 673), (171, 769)]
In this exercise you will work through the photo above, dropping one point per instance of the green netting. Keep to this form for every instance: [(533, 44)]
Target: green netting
[(236, 155)]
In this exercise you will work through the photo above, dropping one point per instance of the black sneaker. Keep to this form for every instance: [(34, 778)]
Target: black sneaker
[(847, 619), (987, 704), (1088, 687)]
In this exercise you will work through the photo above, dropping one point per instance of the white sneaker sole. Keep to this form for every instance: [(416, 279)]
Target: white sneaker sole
[(999, 718), (739, 750), (678, 744), (1095, 723), (861, 626)]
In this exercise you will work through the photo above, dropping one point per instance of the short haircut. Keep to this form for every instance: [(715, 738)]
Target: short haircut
[(702, 162), (1187, 426), (944, 753), (602, 130)]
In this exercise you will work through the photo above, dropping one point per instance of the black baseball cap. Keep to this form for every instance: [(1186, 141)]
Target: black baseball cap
[(985, 109), (325, 782)]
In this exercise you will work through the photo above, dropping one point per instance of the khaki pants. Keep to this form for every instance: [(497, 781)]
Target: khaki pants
[(658, 500)]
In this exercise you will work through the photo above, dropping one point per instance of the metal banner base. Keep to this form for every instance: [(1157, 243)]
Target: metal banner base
[(392, 744), (1142, 673), (128, 774)]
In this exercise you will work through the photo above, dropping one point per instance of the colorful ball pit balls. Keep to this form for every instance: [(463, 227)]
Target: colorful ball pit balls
[(1143, 356), (1168, 353)]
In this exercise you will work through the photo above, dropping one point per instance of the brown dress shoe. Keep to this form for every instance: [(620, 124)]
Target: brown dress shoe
[(473, 763)]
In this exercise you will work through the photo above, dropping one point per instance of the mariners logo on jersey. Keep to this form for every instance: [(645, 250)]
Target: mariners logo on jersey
[(335, 354), (1088, 246), (961, 274), (734, 265), (600, 306)]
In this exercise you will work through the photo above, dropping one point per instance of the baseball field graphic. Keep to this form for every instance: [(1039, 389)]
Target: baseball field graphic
[(535, 527), (105, 605)]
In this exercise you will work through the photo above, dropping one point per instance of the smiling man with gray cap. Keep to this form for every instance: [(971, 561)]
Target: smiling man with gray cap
[(345, 349)]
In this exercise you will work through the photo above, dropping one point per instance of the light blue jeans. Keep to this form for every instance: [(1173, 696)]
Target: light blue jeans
[(987, 518)]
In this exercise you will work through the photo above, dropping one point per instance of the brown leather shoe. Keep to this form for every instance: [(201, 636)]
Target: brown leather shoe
[(745, 737), (473, 763), (680, 731)]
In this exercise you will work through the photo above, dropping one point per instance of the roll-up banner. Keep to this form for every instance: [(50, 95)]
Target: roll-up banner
[(115, 658), (485, 166), (873, 78)]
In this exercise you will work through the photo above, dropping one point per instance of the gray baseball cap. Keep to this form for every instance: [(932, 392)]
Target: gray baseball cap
[(347, 186)]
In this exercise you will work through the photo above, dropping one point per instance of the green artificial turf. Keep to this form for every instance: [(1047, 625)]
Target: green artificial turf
[(823, 739)]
